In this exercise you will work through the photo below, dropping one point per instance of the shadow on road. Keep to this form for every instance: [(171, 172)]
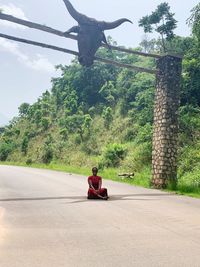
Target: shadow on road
[(84, 198), (128, 197)]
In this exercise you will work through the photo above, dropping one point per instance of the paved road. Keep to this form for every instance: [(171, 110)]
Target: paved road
[(46, 221)]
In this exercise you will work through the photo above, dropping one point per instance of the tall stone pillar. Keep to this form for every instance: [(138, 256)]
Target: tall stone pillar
[(165, 134)]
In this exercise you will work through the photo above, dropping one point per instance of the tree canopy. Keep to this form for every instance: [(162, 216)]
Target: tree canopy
[(161, 21)]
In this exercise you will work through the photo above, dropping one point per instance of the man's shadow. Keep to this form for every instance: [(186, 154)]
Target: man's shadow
[(78, 199), (127, 197)]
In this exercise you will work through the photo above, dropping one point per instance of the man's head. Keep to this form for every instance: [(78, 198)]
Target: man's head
[(94, 170)]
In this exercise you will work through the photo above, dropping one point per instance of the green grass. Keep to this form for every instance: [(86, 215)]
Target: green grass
[(194, 195), (141, 179)]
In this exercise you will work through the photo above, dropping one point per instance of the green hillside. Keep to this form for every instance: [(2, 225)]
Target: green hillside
[(103, 116)]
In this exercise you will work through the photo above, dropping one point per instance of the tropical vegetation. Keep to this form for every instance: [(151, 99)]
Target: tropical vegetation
[(103, 115)]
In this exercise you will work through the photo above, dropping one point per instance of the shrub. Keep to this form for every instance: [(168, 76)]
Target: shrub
[(5, 150), (190, 181), (189, 125), (139, 157), (45, 122), (144, 134), (24, 146), (17, 132), (189, 159), (107, 116), (47, 155), (47, 150), (77, 139), (92, 112), (29, 161), (64, 133), (90, 147), (113, 154), (24, 109), (130, 134)]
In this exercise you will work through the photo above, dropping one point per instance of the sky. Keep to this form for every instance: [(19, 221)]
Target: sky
[(26, 71)]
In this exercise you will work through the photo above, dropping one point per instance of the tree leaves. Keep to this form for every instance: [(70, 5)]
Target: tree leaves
[(194, 21), (162, 21)]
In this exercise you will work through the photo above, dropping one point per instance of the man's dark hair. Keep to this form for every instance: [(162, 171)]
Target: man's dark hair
[(95, 169)]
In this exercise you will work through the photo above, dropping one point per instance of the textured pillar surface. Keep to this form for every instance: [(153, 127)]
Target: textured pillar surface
[(165, 133)]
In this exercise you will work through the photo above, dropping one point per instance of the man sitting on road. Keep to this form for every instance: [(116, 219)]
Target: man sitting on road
[(95, 182)]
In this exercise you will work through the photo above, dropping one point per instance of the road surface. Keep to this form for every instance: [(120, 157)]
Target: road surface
[(46, 221)]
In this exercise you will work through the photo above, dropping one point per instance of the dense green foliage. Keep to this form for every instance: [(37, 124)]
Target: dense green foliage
[(162, 21), (103, 116), (194, 21), (91, 116)]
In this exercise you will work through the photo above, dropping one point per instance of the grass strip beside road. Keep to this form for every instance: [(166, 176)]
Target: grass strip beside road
[(141, 179)]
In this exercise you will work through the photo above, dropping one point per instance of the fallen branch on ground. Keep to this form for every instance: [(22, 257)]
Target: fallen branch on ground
[(126, 175)]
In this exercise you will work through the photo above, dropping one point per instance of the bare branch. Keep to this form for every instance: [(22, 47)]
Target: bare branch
[(107, 61), (66, 35)]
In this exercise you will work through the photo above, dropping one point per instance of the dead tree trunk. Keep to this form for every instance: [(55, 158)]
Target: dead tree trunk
[(165, 135)]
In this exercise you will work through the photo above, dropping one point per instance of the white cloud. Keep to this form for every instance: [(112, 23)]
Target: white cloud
[(39, 63), (13, 10)]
